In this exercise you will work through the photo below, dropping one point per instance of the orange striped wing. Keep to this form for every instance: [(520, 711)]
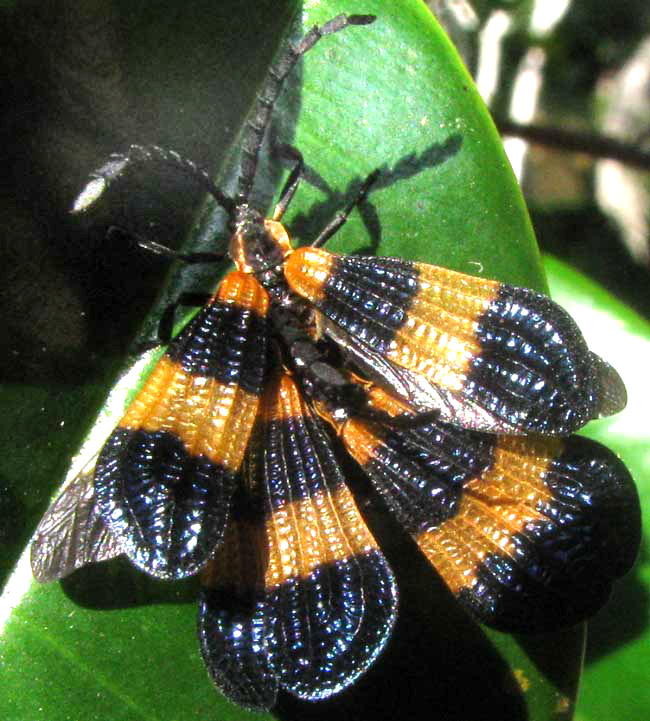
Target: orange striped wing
[(486, 355), (299, 597), (165, 477), (528, 532)]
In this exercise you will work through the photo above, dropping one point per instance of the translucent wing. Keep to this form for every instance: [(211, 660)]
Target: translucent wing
[(299, 597), (166, 475), (71, 534), (487, 356), (528, 532)]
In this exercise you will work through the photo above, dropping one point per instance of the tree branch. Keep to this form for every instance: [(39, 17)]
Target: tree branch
[(597, 146)]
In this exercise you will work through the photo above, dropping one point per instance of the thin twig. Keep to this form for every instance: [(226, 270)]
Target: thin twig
[(589, 143)]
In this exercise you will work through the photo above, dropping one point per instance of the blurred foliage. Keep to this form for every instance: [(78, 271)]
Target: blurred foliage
[(587, 60), (584, 53)]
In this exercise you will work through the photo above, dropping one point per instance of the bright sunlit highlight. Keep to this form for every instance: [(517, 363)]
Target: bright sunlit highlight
[(523, 104), (489, 59), (546, 15), (20, 580), (627, 352)]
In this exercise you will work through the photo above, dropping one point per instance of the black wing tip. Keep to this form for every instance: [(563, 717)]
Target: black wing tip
[(241, 675), (163, 566), (535, 614), (607, 499), (547, 380), (612, 394), (523, 604), (150, 520), (245, 663), (564, 572)]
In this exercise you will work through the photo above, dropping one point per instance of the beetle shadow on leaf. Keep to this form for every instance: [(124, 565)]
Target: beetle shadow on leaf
[(622, 619), (625, 617), (308, 225), (116, 584)]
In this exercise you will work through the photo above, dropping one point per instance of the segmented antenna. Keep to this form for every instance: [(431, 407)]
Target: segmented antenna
[(260, 119), (101, 178)]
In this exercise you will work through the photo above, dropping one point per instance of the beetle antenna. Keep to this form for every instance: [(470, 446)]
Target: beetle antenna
[(258, 122)]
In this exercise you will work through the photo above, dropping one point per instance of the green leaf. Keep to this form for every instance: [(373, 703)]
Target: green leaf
[(111, 644), (615, 681)]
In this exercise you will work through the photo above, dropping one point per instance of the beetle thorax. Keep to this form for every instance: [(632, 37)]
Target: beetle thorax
[(258, 245)]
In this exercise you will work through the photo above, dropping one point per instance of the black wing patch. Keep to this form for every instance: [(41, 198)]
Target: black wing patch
[(299, 597), (165, 477), (528, 532)]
